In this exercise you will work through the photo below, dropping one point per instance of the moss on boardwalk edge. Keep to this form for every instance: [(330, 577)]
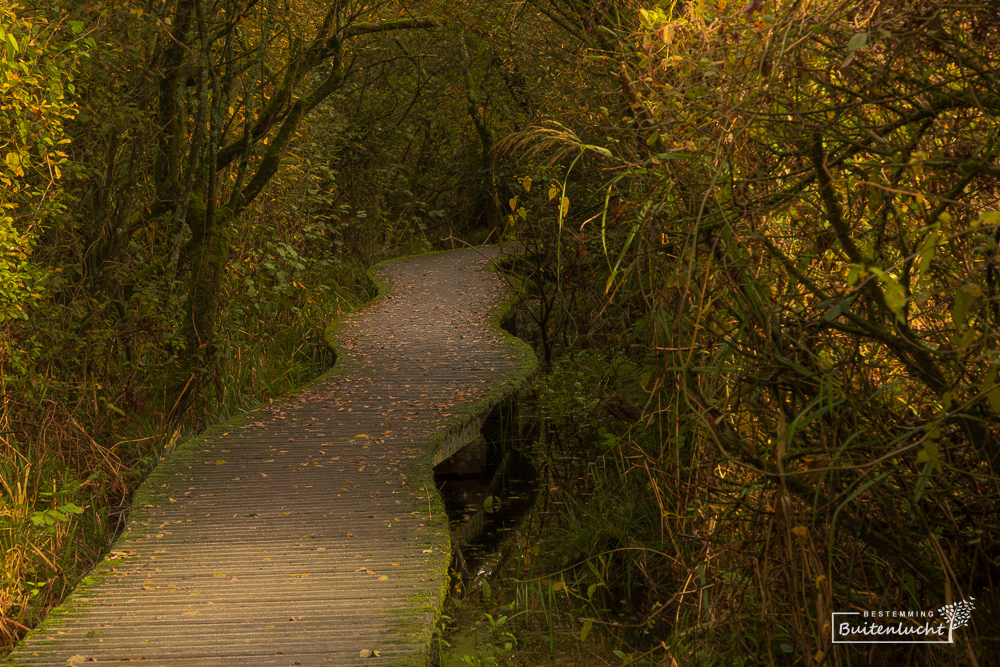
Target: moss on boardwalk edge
[(459, 430)]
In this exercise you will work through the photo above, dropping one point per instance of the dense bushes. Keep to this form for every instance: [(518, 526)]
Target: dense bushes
[(802, 231)]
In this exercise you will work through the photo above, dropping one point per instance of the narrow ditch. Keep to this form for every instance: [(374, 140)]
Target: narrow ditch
[(487, 486)]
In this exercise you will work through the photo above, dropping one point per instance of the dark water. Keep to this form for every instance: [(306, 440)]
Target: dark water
[(493, 467)]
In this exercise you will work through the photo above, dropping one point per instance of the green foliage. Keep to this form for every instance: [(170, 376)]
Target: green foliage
[(38, 61)]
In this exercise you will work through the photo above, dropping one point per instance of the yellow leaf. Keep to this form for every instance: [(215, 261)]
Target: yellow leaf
[(553, 191), (565, 205), (895, 297), (987, 218), (526, 183), (513, 203), (801, 531)]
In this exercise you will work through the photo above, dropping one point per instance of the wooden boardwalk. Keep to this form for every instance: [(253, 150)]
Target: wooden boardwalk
[(309, 532)]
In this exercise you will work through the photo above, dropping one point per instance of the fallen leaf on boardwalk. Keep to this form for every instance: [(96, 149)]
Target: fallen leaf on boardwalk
[(76, 659), (219, 462), (171, 500), (189, 613), (365, 653), (383, 578)]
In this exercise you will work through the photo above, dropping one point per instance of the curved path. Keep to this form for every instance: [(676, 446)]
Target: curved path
[(308, 532)]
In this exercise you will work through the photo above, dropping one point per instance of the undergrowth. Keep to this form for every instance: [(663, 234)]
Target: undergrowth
[(74, 447)]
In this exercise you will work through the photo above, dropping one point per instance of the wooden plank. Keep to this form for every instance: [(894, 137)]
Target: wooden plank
[(308, 532)]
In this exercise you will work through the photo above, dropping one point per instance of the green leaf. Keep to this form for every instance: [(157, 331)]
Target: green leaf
[(993, 394), (987, 218), (930, 453), (895, 297), (965, 296), (857, 41), (487, 591), (673, 156), (598, 149), (837, 309), (585, 630), (491, 504), (72, 508), (857, 271)]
